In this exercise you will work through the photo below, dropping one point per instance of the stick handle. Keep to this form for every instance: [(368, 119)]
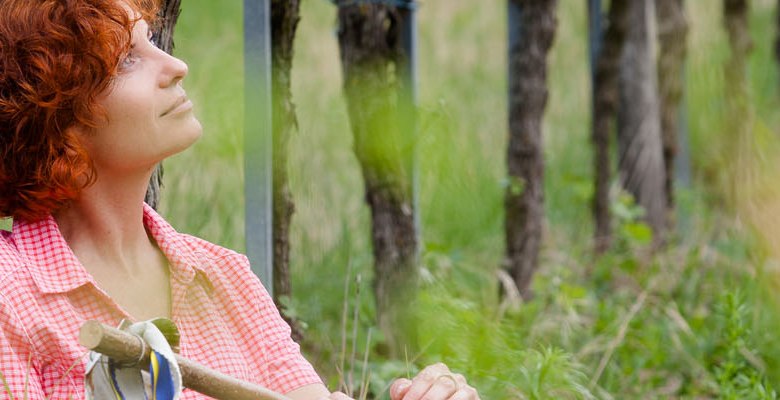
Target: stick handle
[(129, 349)]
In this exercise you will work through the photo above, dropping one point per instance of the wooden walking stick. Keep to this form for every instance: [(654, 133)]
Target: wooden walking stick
[(131, 350)]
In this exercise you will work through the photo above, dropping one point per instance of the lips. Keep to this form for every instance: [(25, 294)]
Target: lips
[(181, 100)]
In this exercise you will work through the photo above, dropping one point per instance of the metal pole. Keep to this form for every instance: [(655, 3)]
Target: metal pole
[(258, 139), (410, 102)]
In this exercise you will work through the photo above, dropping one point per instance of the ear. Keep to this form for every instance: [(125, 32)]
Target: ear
[(78, 138), (78, 143)]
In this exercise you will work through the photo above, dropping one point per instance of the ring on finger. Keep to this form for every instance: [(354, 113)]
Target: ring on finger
[(450, 378)]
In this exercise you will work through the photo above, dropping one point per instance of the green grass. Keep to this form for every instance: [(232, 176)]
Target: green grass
[(706, 326)]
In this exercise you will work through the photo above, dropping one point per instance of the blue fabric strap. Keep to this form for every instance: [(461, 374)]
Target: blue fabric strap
[(162, 381), (116, 389)]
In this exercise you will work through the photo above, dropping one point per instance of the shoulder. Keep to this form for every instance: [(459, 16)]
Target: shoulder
[(222, 266), (190, 249), (215, 256), (16, 295), (7, 247), (16, 280), (11, 261)]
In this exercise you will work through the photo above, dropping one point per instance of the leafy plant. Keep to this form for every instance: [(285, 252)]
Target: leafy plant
[(551, 373), (737, 368)]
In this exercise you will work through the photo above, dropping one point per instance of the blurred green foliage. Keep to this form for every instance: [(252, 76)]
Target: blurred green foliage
[(690, 336)]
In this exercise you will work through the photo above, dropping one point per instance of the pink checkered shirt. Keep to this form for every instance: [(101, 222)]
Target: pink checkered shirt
[(226, 318)]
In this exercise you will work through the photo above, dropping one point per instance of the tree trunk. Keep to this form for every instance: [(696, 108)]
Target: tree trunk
[(735, 13), (737, 121), (777, 33), (672, 33), (372, 56), (524, 198), (284, 21), (163, 36), (605, 102), (640, 161)]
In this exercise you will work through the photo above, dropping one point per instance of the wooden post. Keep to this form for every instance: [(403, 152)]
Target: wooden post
[(258, 142), (532, 29), (130, 350), (371, 43), (605, 98), (641, 168)]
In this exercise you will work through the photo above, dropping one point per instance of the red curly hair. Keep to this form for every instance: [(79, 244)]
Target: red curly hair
[(56, 58)]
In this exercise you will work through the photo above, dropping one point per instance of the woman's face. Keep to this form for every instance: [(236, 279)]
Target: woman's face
[(148, 114)]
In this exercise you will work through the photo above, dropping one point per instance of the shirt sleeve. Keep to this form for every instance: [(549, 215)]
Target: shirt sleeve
[(19, 377), (281, 366)]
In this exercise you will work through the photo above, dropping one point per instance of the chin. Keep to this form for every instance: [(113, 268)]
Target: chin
[(189, 135), (195, 131)]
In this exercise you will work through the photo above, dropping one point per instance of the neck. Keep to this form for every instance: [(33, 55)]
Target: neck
[(104, 225)]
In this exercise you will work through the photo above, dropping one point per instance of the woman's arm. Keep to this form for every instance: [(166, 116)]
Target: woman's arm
[(19, 378)]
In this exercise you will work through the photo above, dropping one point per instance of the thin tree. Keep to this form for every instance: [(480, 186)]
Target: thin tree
[(777, 33), (735, 15), (163, 37), (284, 22), (372, 57), (672, 35), (737, 125), (640, 153), (524, 198), (605, 102)]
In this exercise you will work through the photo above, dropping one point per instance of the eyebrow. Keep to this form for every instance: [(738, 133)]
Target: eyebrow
[(149, 32)]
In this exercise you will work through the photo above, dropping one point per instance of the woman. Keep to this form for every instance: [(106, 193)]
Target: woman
[(88, 107)]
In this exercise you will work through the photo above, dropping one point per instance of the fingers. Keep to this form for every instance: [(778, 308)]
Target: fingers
[(435, 382), (399, 388), (465, 393), (423, 382), (442, 388)]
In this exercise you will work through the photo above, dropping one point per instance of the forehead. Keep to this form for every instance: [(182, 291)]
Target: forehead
[(141, 26), (140, 11), (135, 15)]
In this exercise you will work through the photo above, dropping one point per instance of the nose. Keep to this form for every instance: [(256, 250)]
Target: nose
[(173, 71)]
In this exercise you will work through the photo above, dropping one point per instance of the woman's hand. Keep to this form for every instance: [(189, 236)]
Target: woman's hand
[(434, 382)]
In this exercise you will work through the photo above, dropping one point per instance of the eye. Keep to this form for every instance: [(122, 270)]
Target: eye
[(152, 38), (128, 61)]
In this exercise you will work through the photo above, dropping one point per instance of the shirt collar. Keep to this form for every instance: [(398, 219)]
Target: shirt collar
[(183, 258), (55, 269)]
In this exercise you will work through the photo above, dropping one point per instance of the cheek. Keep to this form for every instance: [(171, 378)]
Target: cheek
[(130, 100), (132, 108), (122, 136)]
